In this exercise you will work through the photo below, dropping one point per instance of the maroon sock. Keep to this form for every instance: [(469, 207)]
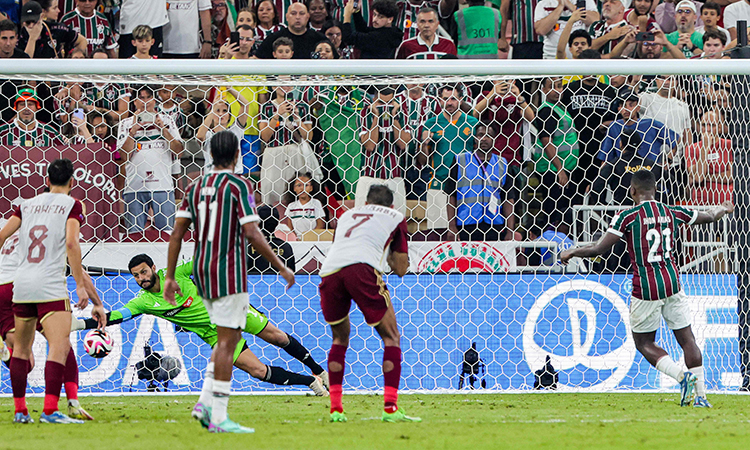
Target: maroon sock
[(19, 370), (336, 355), (392, 378), (54, 374), (71, 376)]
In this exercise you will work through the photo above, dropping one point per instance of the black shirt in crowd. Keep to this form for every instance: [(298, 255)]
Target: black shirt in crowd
[(617, 174), (304, 45), (55, 45), (373, 43), (257, 264)]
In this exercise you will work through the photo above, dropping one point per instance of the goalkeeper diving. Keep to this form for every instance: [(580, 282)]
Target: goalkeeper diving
[(191, 315)]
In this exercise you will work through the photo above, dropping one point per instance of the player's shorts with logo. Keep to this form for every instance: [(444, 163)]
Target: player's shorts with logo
[(40, 310), (229, 311), (358, 282), (645, 315)]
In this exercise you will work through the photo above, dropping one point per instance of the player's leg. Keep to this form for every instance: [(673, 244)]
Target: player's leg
[(249, 363), (273, 335), (57, 332), (678, 317), (336, 366), (20, 362)]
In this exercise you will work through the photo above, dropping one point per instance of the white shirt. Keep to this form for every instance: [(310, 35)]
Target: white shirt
[(142, 12), (208, 164), (182, 33), (702, 30), (543, 9), (149, 167), (9, 259), (304, 217), (736, 11), (672, 112)]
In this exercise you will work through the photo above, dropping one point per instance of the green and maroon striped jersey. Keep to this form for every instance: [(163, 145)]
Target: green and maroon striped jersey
[(649, 229), (42, 135), (283, 133), (522, 16), (95, 29), (219, 203)]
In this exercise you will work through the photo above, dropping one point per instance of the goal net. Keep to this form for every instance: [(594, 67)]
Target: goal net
[(497, 166)]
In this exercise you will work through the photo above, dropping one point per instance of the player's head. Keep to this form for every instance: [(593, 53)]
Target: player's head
[(143, 270), (224, 149), (643, 184), (60, 173), (380, 194)]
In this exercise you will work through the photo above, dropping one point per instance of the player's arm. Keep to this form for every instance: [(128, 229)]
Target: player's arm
[(113, 318), (13, 224), (398, 257), (399, 262), (259, 243), (73, 250), (97, 313), (587, 251), (714, 214), (171, 287)]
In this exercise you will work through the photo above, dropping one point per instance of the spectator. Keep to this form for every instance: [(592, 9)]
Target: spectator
[(332, 31), (284, 120), (427, 45), (406, 15), (268, 20), (221, 26), (556, 155), (664, 106), (655, 136), (304, 212), (142, 12), (246, 16), (43, 37), (739, 10), (256, 263), (527, 44), (606, 33), (283, 48), (102, 129), (648, 49), (220, 119), (148, 141), (326, 50), (25, 130), (710, 16), (92, 25), (640, 15), (304, 38), (480, 206), (143, 41), (417, 107), (181, 33), (111, 99), (572, 43), (379, 41), (666, 17), (689, 41), (709, 164), (244, 49), (714, 42), (384, 135), (8, 50), (69, 98), (169, 104), (552, 15), (318, 13), (478, 26)]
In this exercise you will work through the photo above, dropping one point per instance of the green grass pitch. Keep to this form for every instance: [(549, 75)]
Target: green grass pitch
[(472, 421)]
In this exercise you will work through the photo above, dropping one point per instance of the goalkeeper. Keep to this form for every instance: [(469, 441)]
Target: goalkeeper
[(191, 314)]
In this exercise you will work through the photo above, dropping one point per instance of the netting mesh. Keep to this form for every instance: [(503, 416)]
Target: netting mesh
[(495, 174)]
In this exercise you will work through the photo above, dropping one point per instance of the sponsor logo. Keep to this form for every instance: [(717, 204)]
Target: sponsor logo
[(464, 257)]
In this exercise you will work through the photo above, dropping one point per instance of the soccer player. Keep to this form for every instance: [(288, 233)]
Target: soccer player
[(222, 207), (366, 237), (648, 228), (49, 230), (191, 315)]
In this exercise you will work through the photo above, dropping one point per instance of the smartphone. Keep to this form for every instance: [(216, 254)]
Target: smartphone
[(644, 37), (146, 117), (78, 112), (234, 38), (356, 5), (315, 55), (581, 4), (289, 96)]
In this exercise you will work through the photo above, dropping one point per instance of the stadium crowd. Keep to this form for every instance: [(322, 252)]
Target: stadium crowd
[(500, 160)]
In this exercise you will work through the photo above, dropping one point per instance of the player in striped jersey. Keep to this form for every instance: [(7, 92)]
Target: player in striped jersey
[(26, 130), (648, 228), (222, 207), (92, 25)]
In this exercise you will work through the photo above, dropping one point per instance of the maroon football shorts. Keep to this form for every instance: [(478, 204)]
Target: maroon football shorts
[(40, 310), (358, 282), (7, 323)]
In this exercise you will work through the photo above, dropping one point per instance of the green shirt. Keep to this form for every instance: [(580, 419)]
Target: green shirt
[(696, 38), (450, 139)]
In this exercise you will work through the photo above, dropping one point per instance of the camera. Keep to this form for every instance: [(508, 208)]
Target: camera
[(644, 37)]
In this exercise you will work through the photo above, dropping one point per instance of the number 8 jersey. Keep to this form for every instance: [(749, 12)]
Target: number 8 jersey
[(649, 229), (42, 253), (363, 235)]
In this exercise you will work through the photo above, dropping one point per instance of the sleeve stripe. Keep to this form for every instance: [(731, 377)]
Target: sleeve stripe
[(250, 218), (184, 214), (615, 232), (694, 217)]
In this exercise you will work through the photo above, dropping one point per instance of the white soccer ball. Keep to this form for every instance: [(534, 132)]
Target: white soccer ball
[(98, 343)]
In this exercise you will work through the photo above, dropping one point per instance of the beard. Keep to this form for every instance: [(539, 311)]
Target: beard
[(151, 282)]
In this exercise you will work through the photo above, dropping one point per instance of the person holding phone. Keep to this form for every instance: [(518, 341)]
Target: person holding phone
[(285, 119), (551, 16)]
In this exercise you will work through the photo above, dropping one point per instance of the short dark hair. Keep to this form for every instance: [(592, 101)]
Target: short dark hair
[(590, 53), (245, 27), (283, 41), (99, 49), (579, 34), (290, 196), (643, 181), (333, 47), (491, 127), (60, 171), (145, 88), (712, 6), (450, 87), (715, 34), (275, 11), (45, 4), (224, 146), (386, 8), (380, 194), (137, 260), (8, 25)]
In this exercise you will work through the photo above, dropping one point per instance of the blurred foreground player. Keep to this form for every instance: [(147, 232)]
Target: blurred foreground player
[(366, 238), (221, 206), (648, 228)]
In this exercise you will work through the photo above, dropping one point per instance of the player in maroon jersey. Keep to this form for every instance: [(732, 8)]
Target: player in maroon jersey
[(648, 228)]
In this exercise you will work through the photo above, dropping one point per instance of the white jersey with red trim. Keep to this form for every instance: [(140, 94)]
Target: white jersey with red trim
[(41, 246), (363, 236), (9, 259)]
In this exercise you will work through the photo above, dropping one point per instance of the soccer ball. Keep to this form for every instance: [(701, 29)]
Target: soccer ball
[(98, 343)]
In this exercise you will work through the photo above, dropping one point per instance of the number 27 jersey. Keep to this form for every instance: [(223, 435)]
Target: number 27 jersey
[(363, 236), (649, 229)]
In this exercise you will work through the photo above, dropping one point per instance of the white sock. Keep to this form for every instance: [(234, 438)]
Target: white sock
[(221, 400), (669, 367), (700, 384), (207, 393)]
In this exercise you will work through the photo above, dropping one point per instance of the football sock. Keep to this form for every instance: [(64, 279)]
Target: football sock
[(19, 369), (277, 375), (220, 401), (391, 378), (71, 377), (700, 384), (336, 378), (301, 354), (669, 367), (54, 373), (207, 393)]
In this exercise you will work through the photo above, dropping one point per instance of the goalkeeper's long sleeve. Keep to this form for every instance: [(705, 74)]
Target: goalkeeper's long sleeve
[(113, 318)]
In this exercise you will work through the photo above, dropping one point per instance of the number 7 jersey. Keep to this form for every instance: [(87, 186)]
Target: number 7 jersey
[(649, 229), (363, 236)]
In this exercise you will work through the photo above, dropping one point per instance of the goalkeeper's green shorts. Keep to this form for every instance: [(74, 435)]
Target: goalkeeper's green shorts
[(256, 322)]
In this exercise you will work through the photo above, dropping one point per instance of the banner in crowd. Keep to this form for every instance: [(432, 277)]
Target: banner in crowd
[(23, 173), (582, 322)]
